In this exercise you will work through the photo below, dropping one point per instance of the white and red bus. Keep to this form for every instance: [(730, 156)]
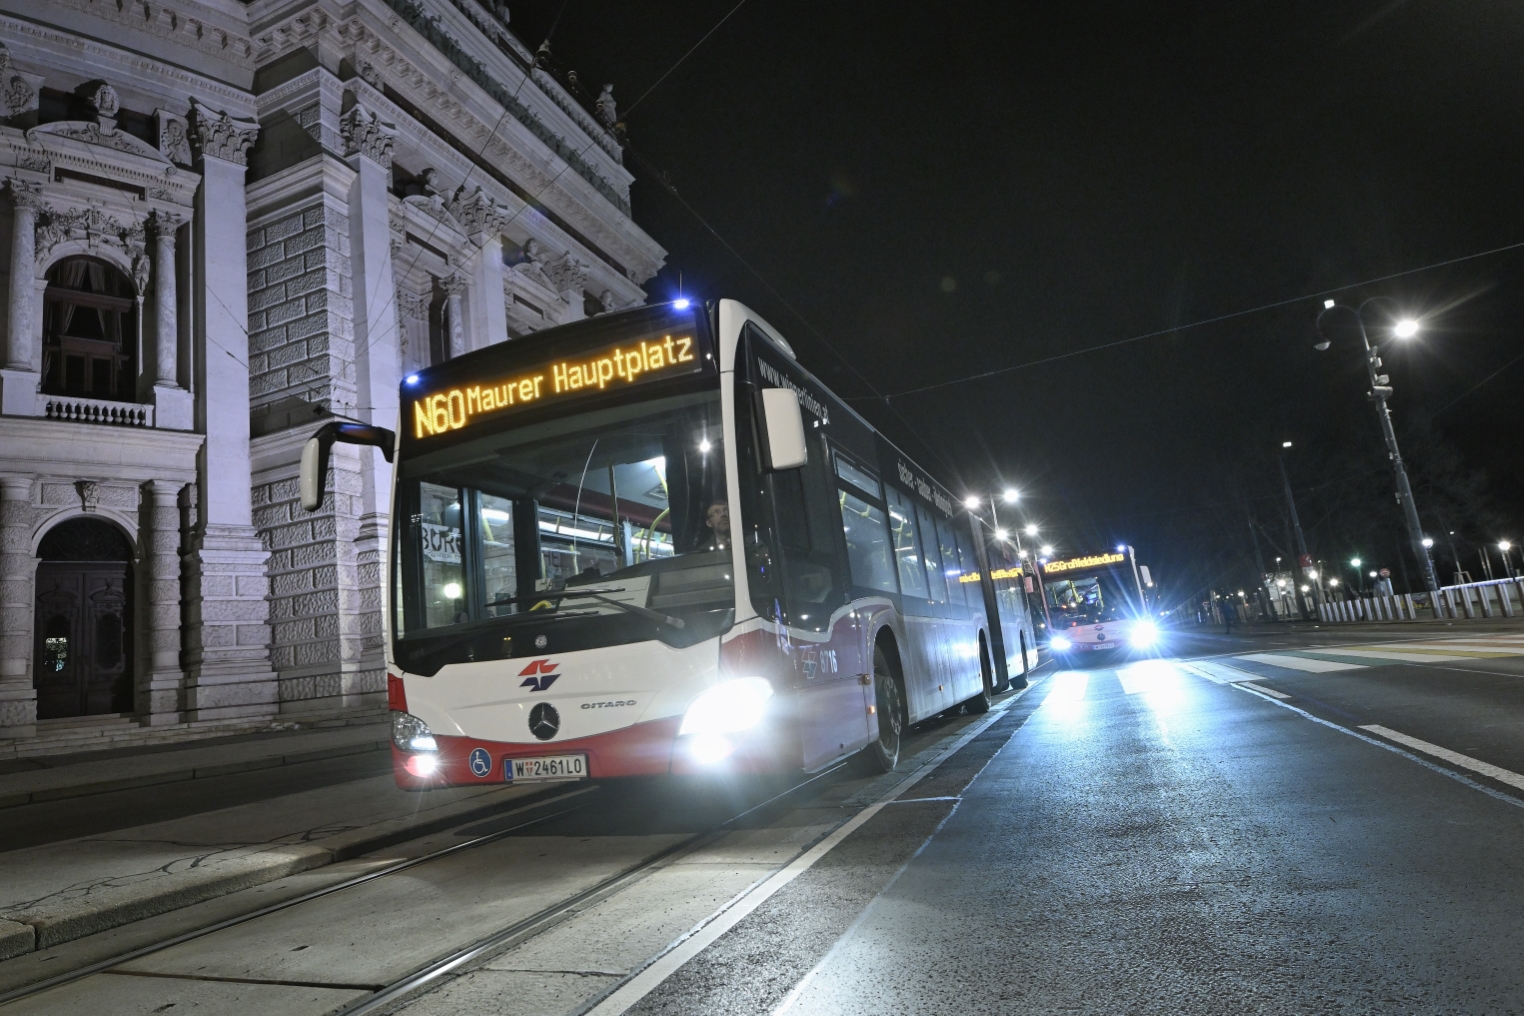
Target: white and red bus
[(653, 543), (1095, 604)]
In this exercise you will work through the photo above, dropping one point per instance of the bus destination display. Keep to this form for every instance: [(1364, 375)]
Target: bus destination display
[(628, 363), (1078, 563)]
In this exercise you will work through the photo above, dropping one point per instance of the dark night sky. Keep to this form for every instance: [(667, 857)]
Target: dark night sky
[(949, 188)]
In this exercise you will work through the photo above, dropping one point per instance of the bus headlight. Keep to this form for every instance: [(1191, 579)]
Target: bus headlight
[(1059, 644), (727, 708), (1145, 634), (409, 733)]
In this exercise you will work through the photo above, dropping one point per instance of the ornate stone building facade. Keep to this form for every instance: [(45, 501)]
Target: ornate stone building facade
[(223, 223)]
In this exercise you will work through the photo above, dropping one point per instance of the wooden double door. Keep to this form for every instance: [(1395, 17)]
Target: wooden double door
[(83, 630)]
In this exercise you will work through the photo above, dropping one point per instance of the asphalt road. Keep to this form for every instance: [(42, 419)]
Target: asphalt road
[(1287, 820)]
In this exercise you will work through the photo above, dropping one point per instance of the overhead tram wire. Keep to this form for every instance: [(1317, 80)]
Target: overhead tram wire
[(1205, 321), (665, 182)]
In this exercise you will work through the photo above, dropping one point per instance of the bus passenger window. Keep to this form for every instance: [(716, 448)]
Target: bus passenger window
[(973, 591), (868, 554), (956, 590), (439, 538), (499, 569), (933, 559), (907, 553)]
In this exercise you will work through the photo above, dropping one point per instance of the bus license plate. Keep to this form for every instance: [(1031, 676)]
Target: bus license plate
[(547, 767)]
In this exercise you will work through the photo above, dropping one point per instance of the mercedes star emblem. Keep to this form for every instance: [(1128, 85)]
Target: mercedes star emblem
[(540, 641), (544, 721)]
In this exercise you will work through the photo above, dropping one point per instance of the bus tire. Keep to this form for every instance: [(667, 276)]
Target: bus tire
[(980, 703), (889, 693)]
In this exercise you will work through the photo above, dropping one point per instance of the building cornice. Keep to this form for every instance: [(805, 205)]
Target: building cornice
[(83, 450)]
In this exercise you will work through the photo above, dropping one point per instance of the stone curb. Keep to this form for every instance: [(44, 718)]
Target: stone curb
[(23, 931), (188, 773), (16, 939)]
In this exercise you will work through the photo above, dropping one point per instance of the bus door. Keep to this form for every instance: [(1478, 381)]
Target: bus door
[(827, 644)]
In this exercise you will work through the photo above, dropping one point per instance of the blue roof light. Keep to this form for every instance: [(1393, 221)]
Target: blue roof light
[(681, 303), (411, 379)]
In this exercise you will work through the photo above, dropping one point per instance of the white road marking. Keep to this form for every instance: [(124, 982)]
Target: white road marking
[(733, 912), (1218, 672), (1298, 662), (1441, 770), (1265, 691), (1386, 654), (1453, 757)]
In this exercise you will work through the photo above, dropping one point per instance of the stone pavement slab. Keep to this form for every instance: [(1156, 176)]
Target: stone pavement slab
[(63, 891), (87, 775)]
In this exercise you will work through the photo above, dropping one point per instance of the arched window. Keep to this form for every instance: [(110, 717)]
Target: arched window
[(89, 331)]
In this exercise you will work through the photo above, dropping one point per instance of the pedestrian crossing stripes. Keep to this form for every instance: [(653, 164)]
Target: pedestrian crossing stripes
[(1333, 659)]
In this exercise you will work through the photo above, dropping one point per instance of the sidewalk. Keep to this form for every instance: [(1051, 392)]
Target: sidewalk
[(59, 892), (28, 781)]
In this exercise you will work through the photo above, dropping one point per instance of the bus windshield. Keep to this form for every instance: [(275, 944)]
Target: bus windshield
[(1085, 599), (617, 516)]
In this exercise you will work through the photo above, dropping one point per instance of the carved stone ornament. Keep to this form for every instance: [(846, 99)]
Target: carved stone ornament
[(454, 284), (365, 134), (220, 136), (477, 212), (89, 494), (567, 273), (371, 75), (89, 226), (101, 98), (37, 162), (174, 137), (25, 195), (18, 92)]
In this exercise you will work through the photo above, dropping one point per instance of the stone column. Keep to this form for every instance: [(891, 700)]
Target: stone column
[(484, 222), (166, 325), (22, 361), (455, 289), (175, 406), (18, 569), (227, 606), (160, 692), (368, 146)]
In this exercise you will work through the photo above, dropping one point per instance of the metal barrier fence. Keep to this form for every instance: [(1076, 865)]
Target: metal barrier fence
[(1499, 597)]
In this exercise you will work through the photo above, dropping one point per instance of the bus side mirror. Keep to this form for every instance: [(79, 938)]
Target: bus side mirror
[(315, 454), (783, 444)]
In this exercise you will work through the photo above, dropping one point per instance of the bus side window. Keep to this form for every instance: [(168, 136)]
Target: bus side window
[(907, 552), (936, 579), (952, 568), (973, 591), (868, 555)]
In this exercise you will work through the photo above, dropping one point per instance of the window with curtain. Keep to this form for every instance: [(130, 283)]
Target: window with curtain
[(89, 331)]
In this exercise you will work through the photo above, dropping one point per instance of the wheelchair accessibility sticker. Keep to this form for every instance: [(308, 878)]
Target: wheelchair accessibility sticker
[(481, 762)]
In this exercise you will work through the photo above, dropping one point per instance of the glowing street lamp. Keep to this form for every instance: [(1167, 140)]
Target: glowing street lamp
[(1012, 495), (1031, 529), (1380, 390), (1505, 546)]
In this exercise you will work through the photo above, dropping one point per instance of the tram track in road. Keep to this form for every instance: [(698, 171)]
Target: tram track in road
[(563, 816), (443, 965)]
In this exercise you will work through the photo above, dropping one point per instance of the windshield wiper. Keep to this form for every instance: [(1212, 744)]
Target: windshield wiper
[(598, 594)]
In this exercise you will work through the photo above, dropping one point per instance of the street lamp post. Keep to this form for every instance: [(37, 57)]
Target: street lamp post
[(1503, 548), (1304, 559), (1379, 393)]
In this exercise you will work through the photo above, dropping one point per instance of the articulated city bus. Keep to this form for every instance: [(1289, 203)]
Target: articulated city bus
[(1095, 603), (653, 543)]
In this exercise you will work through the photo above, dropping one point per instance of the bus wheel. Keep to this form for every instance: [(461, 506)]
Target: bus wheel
[(885, 752), (980, 703)]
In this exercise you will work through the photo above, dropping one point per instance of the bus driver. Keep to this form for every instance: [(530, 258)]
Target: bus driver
[(717, 518)]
